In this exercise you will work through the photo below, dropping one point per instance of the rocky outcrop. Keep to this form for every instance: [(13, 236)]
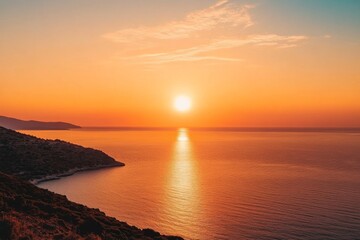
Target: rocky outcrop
[(31, 158), (28, 212)]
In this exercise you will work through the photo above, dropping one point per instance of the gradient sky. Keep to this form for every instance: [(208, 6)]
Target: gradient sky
[(121, 63)]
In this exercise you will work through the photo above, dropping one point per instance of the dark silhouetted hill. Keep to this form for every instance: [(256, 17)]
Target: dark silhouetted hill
[(28, 212), (17, 124), (33, 158)]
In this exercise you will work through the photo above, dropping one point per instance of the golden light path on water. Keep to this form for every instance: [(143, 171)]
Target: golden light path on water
[(182, 190)]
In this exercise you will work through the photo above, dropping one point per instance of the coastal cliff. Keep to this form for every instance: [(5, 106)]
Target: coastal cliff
[(35, 159), (28, 212)]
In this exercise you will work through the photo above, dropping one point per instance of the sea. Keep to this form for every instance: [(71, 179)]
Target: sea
[(223, 183)]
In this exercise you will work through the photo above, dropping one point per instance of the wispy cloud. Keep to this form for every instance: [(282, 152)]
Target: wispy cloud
[(197, 53), (214, 19), (221, 13)]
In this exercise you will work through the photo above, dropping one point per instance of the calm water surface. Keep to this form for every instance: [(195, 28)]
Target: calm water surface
[(223, 185)]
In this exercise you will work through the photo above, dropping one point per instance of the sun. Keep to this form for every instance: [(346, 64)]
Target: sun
[(182, 103)]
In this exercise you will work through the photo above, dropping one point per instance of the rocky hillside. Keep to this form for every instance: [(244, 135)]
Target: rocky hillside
[(28, 212), (32, 158)]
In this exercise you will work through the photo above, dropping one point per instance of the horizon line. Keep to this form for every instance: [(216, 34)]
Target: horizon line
[(245, 129)]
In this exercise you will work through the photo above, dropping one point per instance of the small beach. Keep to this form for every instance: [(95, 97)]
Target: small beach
[(72, 172)]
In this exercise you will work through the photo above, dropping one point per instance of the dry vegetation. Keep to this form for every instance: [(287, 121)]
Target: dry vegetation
[(31, 158)]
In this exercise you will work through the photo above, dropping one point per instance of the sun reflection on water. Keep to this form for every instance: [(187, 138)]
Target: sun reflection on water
[(182, 196), (182, 135)]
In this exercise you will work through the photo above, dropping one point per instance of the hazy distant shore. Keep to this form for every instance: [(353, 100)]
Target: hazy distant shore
[(18, 124)]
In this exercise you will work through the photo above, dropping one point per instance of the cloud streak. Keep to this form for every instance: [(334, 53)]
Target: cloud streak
[(221, 13), (197, 53), (224, 18)]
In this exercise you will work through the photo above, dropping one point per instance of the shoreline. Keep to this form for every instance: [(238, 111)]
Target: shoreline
[(73, 171)]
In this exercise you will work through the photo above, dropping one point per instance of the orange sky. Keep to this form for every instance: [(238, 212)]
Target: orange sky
[(250, 63)]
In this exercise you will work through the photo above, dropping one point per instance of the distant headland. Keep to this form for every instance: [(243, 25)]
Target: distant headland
[(17, 124)]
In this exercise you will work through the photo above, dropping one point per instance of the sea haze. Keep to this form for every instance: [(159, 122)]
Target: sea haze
[(223, 184)]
